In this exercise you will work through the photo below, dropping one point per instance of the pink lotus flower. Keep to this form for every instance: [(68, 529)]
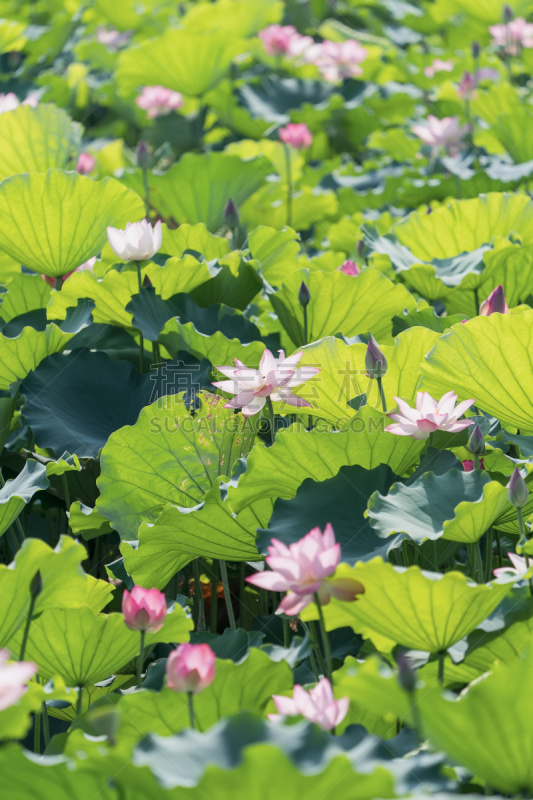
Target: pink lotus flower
[(302, 569), (113, 40), (318, 705), (190, 668), (86, 265), (10, 101), (144, 609), (445, 132), (512, 37), (86, 164), (296, 135), (275, 378), (158, 101), (429, 416), (494, 304), (337, 60), (349, 268), (467, 87), (283, 40), (438, 65), (469, 465), (519, 566), (13, 679)]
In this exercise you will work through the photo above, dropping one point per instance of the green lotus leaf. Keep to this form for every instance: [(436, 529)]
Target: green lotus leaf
[(25, 293), (15, 494), (196, 238), (274, 151), (8, 407), (240, 17), (298, 454), (246, 686), (12, 35), (217, 348), (464, 225), (487, 358), (35, 139), (487, 730), (179, 534), (421, 610), (168, 456), (64, 584), (197, 188), (341, 501), (56, 221), (84, 648), (186, 61), (459, 506), (16, 721), (343, 373), (340, 303), (276, 251), (23, 353), (268, 206), (91, 694), (426, 318), (87, 521), (235, 283)]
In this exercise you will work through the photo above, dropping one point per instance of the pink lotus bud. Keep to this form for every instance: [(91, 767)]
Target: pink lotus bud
[(158, 100), (494, 304), (476, 442), (375, 361), (86, 164), (517, 491), (304, 295), (144, 609), (476, 49), (13, 679), (143, 155), (296, 135), (190, 668), (231, 215), (467, 87), (349, 268), (406, 674)]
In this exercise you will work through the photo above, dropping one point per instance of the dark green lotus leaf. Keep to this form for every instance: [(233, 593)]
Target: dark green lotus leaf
[(426, 319), (67, 408), (272, 98), (342, 501)]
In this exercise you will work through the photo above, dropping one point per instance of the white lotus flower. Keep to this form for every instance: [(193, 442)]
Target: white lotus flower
[(138, 242)]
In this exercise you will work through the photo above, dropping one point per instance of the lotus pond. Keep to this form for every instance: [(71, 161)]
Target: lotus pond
[(266, 399)]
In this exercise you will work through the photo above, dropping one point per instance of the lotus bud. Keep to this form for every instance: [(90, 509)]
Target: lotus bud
[(36, 585), (476, 442), (144, 155), (349, 268), (375, 361), (360, 248), (476, 49), (494, 304), (190, 668), (304, 295), (406, 674), (508, 13), (517, 491), (467, 87), (231, 215)]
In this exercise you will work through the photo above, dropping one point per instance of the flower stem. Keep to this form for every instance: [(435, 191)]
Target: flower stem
[(59, 284), (306, 327), (271, 418), (325, 637), (476, 300), (199, 594), (382, 394), (37, 733), (499, 548), (141, 339), (227, 595), (316, 648), (191, 709), (442, 655), (289, 185), (488, 555), (286, 634), (78, 701), (146, 194), (27, 628), (476, 461), (140, 660), (214, 596), (46, 724)]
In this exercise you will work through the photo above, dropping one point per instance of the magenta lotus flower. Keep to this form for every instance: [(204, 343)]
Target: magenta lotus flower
[(467, 87), (494, 304), (284, 40), (349, 268), (13, 679), (514, 36), (113, 39), (158, 101), (429, 416), (318, 705), (446, 133), (87, 265), (190, 668), (139, 241), (469, 465), (303, 569), (275, 378), (519, 566), (438, 65), (86, 164), (144, 609), (296, 135), (337, 60)]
